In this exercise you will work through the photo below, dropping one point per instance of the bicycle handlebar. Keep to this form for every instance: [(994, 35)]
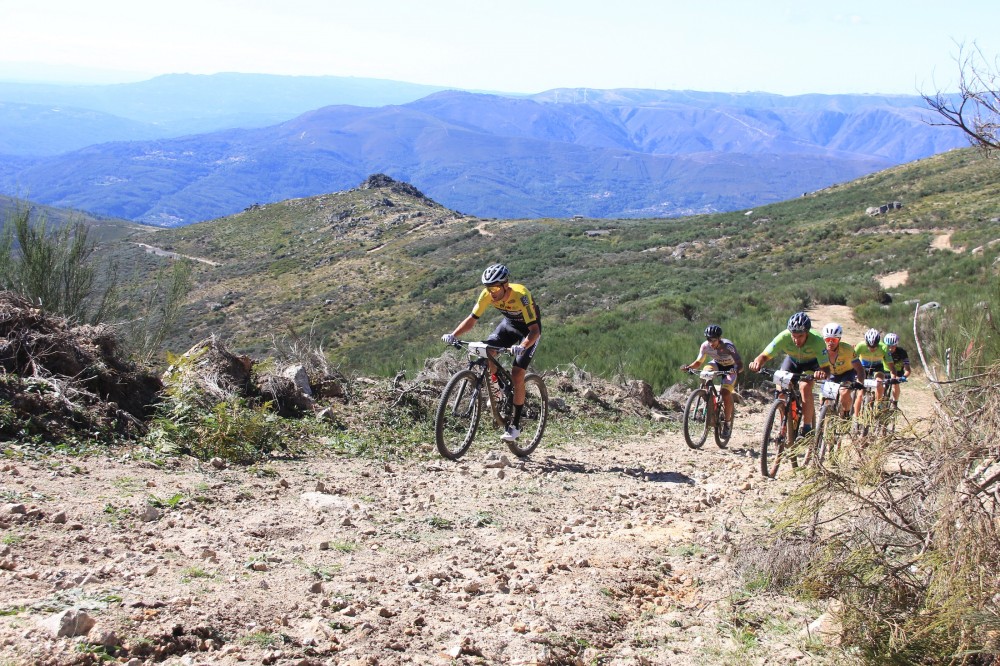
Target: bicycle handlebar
[(458, 344), (713, 373)]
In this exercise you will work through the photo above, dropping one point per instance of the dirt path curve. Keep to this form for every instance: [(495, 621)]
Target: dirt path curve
[(893, 280), (943, 242), (175, 255)]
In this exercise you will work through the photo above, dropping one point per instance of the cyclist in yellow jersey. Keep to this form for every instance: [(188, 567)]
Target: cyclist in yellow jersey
[(846, 365), (875, 356), (804, 351), (520, 330)]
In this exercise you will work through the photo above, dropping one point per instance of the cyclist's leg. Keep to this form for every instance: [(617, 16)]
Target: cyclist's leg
[(805, 388), (847, 378), (878, 372), (727, 390)]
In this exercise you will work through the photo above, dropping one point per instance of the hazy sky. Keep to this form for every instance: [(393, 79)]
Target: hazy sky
[(781, 46)]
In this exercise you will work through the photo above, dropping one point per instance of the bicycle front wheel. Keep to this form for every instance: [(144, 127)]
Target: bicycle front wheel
[(773, 443), (458, 415), (534, 415), (696, 419), (826, 431)]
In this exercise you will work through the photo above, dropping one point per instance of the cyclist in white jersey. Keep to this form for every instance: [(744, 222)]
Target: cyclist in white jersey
[(721, 354)]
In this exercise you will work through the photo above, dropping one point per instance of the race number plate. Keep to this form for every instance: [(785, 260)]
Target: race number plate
[(707, 374), (783, 378), (478, 349), (871, 383), (831, 390)]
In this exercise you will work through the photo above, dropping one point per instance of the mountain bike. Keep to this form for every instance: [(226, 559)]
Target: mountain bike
[(704, 410), (469, 391), (831, 425), (781, 425), (878, 417)]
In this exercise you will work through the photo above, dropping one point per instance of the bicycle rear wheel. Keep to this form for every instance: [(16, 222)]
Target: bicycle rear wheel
[(458, 415), (696, 419), (534, 415), (772, 445)]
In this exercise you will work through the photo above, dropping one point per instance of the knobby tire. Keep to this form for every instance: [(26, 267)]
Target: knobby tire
[(458, 415), (773, 443), (534, 415), (696, 419)]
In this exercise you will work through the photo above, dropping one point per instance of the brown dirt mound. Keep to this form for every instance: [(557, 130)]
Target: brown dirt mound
[(59, 378)]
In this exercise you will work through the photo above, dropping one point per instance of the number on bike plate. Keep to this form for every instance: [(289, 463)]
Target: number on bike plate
[(871, 383), (708, 374), (831, 390), (478, 349), (783, 378)]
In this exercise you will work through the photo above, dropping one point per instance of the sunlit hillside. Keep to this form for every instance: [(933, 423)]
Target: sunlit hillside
[(378, 273)]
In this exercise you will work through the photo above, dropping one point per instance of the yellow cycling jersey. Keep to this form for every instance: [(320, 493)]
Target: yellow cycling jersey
[(843, 358), (519, 306)]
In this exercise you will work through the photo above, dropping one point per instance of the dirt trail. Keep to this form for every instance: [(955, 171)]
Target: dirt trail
[(613, 550), (893, 280), (943, 242)]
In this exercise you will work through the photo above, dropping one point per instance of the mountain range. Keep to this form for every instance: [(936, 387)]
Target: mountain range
[(181, 149)]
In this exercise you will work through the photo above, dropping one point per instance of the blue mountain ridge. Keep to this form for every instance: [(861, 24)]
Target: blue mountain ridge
[(621, 153)]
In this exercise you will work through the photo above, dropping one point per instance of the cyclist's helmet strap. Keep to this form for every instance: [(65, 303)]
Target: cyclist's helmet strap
[(495, 274), (713, 331), (833, 330), (872, 336), (891, 339), (799, 323)]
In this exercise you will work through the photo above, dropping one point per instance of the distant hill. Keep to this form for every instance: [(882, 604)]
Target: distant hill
[(32, 115), (376, 273), (606, 154), (102, 229)]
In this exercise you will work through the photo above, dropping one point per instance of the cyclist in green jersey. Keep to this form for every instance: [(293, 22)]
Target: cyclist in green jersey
[(804, 351), (875, 357)]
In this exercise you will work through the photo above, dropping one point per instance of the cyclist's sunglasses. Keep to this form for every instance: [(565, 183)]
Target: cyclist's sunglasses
[(713, 339), (493, 288), (832, 339)]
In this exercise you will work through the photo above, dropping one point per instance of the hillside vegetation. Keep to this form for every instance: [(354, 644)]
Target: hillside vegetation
[(379, 272)]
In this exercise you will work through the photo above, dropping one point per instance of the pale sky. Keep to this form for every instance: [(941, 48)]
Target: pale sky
[(524, 46)]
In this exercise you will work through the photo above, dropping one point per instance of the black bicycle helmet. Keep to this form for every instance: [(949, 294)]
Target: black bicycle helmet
[(799, 323), (713, 331), (872, 336), (495, 274)]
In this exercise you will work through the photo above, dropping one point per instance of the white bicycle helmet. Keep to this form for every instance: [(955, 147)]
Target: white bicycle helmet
[(891, 339), (495, 274), (833, 330), (872, 336)]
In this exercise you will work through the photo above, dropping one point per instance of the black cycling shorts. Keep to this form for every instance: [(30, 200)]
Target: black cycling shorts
[(793, 366), (508, 335)]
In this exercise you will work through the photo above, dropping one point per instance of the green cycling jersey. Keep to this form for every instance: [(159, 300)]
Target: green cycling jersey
[(814, 348)]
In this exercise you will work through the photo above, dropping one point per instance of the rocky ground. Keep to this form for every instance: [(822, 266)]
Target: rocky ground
[(633, 550)]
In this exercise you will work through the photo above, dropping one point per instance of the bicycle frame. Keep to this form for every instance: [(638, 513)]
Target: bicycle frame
[(704, 411), (480, 356), (786, 414), (458, 415)]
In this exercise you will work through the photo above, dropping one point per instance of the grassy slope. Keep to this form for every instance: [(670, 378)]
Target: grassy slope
[(378, 275)]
